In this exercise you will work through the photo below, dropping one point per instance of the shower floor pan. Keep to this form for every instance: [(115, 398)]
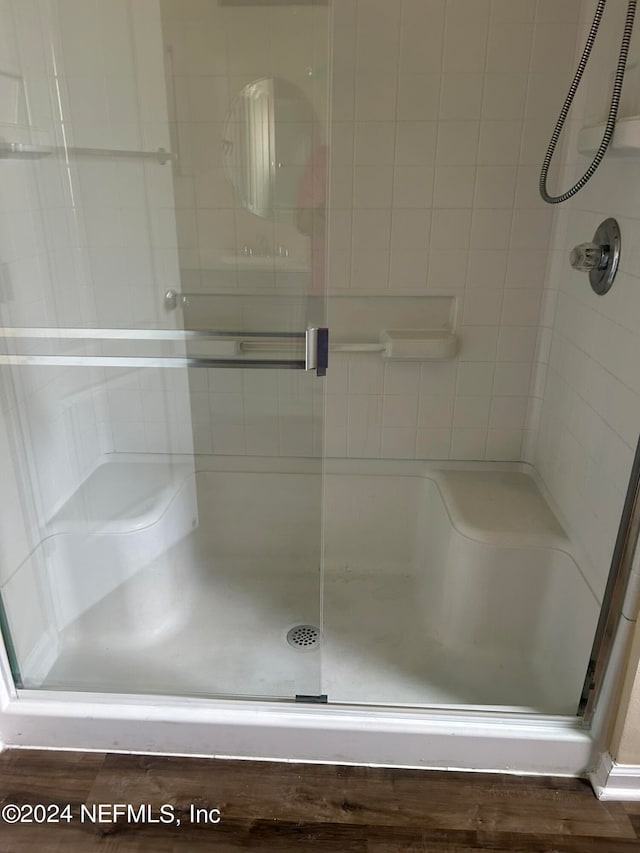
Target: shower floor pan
[(452, 587)]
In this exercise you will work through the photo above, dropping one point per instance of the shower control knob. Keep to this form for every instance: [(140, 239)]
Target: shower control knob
[(589, 256), (601, 257)]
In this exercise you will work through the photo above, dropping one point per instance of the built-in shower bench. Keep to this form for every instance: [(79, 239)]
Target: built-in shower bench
[(500, 586), (121, 496), (500, 508), (127, 514)]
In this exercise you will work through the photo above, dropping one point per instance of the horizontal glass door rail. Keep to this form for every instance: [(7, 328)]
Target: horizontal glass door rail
[(140, 334), (147, 361), (71, 347)]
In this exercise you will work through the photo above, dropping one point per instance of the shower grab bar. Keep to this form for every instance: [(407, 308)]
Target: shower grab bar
[(250, 346), (24, 151)]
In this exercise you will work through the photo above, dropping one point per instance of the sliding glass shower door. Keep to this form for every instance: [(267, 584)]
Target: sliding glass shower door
[(162, 171)]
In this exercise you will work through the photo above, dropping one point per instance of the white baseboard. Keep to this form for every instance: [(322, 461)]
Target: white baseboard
[(613, 781)]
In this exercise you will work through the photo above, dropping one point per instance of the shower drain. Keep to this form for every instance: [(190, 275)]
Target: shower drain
[(303, 636)]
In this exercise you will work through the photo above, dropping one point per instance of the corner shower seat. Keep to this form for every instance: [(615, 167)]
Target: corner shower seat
[(500, 583), (500, 508), (125, 515)]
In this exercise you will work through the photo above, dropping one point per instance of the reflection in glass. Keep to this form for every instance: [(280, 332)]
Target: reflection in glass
[(268, 142)]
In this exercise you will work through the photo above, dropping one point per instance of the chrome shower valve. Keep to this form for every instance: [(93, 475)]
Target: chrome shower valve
[(589, 256), (600, 258)]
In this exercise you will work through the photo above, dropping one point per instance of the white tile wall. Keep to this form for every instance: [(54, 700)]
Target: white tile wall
[(44, 274), (49, 430), (584, 418), (211, 52), (435, 136), (110, 67), (437, 109), (434, 189), (216, 49), (91, 242), (440, 110)]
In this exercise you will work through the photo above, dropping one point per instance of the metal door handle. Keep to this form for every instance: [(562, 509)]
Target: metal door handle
[(317, 350)]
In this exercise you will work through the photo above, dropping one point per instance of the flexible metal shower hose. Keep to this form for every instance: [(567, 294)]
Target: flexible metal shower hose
[(613, 111)]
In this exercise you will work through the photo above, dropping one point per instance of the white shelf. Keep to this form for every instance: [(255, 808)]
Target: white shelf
[(625, 142), (419, 344)]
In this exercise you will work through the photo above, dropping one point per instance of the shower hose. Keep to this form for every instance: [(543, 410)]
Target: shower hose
[(613, 110)]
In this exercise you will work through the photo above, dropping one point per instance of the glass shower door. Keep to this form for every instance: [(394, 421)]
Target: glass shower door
[(163, 348)]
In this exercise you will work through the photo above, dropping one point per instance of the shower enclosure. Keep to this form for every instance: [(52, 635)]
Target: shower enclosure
[(301, 403)]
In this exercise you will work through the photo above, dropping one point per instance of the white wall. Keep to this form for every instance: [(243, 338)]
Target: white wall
[(211, 52), (91, 241), (44, 265), (112, 95), (84, 242), (585, 418), (50, 428), (440, 111)]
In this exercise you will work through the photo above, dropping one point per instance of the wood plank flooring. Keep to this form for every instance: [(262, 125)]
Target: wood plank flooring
[(294, 808)]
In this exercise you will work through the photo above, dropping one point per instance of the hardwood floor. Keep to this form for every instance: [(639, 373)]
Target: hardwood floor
[(294, 807)]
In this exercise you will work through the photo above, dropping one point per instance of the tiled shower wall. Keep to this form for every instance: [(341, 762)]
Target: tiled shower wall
[(43, 269), (212, 50), (49, 424), (585, 416), (112, 95), (89, 242), (440, 113)]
